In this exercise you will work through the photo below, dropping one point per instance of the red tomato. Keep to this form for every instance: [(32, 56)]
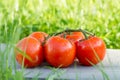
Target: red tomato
[(73, 36), (32, 47), (39, 36), (91, 51), (59, 52)]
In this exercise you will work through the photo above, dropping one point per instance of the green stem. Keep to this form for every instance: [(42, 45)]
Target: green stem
[(86, 37), (78, 30)]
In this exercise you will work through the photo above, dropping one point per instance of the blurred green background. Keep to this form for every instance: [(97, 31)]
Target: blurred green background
[(19, 18)]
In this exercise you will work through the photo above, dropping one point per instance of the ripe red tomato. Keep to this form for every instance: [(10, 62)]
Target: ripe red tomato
[(39, 36), (59, 52), (32, 47), (90, 51), (73, 36)]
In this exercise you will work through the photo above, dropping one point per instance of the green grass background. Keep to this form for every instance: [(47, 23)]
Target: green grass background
[(19, 18), (22, 17)]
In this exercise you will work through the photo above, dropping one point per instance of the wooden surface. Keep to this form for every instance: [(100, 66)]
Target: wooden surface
[(109, 69)]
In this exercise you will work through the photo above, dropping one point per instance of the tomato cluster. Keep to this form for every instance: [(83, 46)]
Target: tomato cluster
[(60, 50)]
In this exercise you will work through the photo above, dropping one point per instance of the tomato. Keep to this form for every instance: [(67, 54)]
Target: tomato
[(59, 52), (39, 36), (73, 36), (91, 51), (33, 49)]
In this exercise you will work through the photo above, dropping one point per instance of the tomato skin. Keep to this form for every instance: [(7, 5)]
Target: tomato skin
[(39, 36), (73, 36), (89, 51), (59, 52), (32, 47)]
